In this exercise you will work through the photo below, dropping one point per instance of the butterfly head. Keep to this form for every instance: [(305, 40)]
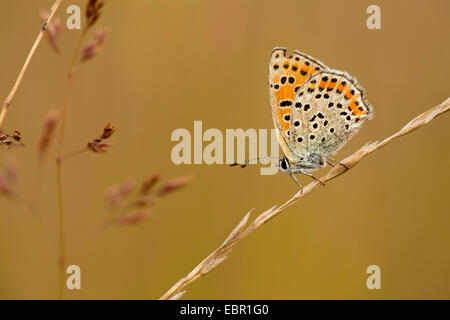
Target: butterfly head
[(304, 164), (284, 165)]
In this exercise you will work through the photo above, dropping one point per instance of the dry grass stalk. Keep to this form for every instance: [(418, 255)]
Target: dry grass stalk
[(11, 140), (178, 295), (241, 231), (98, 145), (130, 204), (95, 46), (10, 96), (93, 12), (92, 15), (53, 30), (48, 129), (9, 174)]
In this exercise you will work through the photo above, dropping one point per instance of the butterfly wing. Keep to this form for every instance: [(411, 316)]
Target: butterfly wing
[(286, 75), (328, 109)]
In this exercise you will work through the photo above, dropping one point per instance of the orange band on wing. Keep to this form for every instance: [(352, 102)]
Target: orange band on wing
[(304, 70), (322, 84), (355, 108), (281, 113), (331, 85), (286, 92), (349, 94), (341, 88)]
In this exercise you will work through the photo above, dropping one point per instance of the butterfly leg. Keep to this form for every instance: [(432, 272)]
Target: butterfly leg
[(335, 161), (296, 181), (330, 164), (310, 175)]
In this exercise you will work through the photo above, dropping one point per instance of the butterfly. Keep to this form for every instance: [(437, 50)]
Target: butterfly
[(315, 110)]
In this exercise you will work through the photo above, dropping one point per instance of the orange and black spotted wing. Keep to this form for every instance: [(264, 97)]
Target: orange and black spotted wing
[(328, 109), (286, 75)]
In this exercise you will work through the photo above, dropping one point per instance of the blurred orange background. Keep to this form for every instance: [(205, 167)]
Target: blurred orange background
[(167, 63)]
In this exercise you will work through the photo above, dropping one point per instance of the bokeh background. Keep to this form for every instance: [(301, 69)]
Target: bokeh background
[(167, 63)]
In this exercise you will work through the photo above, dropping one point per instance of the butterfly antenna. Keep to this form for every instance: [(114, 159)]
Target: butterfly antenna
[(247, 162)]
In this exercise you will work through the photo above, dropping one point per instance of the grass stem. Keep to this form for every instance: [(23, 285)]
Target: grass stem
[(59, 161), (9, 98), (243, 230)]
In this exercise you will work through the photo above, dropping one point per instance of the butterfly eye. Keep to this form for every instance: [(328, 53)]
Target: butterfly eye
[(284, 164)]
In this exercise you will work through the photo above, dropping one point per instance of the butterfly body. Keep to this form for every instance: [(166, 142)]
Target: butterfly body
[(315, 109)]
